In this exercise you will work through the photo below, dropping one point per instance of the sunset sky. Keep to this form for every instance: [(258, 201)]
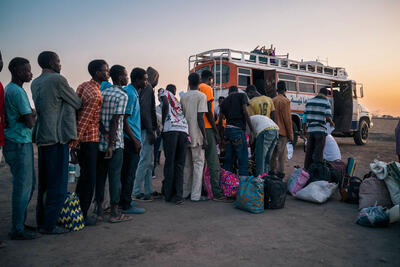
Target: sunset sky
[(362, 36)]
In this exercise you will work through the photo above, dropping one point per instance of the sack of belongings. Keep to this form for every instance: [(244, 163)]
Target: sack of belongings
[(207, 182), (392, 182), (317, 192), (274, 192), (297, 180), (373, 190), (250, 196), (375, 216), (349, 189), (71, 214), (319, 171), (340, 166), (229, 183)]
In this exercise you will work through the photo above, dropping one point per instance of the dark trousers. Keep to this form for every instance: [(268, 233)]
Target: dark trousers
[(129, 166), (175, 145), (111, 167), (236, 148), (315, 145), (53, 182), (213, 163), (87, 157), (157, 152)]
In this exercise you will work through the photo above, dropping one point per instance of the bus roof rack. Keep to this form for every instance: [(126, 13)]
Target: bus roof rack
[(276, 62)]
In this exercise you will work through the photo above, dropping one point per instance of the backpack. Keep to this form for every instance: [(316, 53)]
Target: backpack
[(339, 166), (229, 183), (250, 195), (319, 171), (297, 180), (349, 189), (71, 214), (336, 175), (274, 193)]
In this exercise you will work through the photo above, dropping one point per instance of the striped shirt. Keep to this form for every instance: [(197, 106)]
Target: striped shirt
[(317, 109)]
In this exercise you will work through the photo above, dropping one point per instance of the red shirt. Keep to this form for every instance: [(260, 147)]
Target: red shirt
[(89, 114), (1, 115)]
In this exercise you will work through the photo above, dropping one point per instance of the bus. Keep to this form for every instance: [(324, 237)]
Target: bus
[(303, 80)]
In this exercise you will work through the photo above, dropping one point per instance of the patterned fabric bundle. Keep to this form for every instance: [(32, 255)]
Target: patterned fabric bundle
[(373, 216), (250, 196), (71, 214), (297, 180), (229, 183)]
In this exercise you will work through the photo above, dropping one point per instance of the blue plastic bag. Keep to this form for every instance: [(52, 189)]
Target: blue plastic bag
[(250, 195), (373, 216)]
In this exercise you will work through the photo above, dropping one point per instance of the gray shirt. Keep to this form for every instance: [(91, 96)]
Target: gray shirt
[(56, 104)]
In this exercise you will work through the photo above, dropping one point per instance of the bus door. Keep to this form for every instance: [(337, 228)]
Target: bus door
[(343, 106), (265, 81)]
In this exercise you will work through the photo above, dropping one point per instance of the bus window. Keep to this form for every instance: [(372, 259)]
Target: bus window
[(290, 81), (225, 73), (324, 83), (199, 71), (306, 85), (244, 77)]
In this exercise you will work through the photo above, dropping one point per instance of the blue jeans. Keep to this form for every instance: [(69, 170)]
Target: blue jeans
[(20, 159), (236, 148), (145, 167), (265, 145), (53, 182)]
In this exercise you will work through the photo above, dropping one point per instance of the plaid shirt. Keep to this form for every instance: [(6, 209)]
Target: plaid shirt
[(89, 114), (114, 102)]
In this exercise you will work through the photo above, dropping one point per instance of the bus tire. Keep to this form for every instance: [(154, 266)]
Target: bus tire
[(361, 136), (295, 133)]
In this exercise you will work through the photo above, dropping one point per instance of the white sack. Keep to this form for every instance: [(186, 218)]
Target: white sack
[(317, 192)]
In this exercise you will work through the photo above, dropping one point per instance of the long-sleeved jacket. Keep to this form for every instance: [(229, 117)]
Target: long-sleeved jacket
[(147, 102), (56, 104), (283, 116)]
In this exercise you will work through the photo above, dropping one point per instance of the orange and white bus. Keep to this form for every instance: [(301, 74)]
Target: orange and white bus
[(303, 80)]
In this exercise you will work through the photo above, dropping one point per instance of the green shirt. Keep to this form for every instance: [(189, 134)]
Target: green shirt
[(16, 104)]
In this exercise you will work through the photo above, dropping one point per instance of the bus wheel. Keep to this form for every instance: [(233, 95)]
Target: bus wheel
[(361, 136), (295, 133)]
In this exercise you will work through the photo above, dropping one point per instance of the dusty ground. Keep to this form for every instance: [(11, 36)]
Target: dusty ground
[(215, 234)]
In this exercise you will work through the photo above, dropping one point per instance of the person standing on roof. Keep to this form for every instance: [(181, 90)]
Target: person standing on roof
[(283, 119), (148, 117), (259, 104), (318, 113)]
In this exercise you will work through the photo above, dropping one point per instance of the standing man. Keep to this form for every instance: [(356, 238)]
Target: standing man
[(132, 138), (283, 119), (86, 146), (175, 140), (194, 104), (267, 136), (110, 155), (18, 149), (397, 134), (318, 113), (212, 135), (56, 103), (148, 127), (259, 104), (234, 109)]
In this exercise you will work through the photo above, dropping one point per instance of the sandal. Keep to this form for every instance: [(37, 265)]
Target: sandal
[(120, 218)]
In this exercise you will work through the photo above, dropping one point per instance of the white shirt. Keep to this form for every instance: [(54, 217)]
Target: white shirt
[(261, 122), (175, 120)]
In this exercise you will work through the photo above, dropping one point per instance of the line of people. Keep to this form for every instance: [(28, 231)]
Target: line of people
[(110, 129)]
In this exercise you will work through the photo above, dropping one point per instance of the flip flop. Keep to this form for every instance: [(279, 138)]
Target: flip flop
[(121, 218)]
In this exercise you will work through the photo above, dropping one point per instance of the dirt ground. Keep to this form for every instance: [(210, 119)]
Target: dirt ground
[(216, 234)]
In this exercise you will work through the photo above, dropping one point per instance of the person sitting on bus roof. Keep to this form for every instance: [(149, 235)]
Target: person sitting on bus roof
[(259, 104)]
